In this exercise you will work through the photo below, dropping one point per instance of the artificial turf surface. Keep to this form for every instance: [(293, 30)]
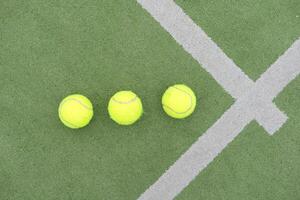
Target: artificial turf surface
[(50, 49), (254, 166)]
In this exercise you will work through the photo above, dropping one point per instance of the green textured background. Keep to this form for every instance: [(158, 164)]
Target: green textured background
[(254, 166), (49, 49)]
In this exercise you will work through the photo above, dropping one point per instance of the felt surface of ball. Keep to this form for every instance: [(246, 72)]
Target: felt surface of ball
[(179, 101), (75, 111), (125, 108)]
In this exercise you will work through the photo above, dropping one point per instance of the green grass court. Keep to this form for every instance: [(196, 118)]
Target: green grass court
[(50, 49)]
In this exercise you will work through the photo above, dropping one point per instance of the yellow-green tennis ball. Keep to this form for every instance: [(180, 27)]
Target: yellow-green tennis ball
[(125, 108), (75, 111), (179, 101)]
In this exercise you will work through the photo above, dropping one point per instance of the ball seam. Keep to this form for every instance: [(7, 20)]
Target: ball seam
[(69, 123), (78, 101), (191, 102), (125, 102)]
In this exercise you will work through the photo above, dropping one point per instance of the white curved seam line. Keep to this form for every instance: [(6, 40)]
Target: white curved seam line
[(191, 102), (73, 99), (125, 102), (67, 122)]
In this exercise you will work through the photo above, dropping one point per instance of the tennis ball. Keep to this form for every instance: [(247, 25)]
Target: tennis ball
[(75, 111), (125, 108), (179, 101)]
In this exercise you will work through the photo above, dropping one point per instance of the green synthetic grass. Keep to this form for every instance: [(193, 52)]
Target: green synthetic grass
[(254, 33), (50, 49), (254, 166)]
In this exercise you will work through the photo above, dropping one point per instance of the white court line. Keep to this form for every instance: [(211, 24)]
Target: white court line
[(195, 41), (216, 138), (254, 100), (199, 155)]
